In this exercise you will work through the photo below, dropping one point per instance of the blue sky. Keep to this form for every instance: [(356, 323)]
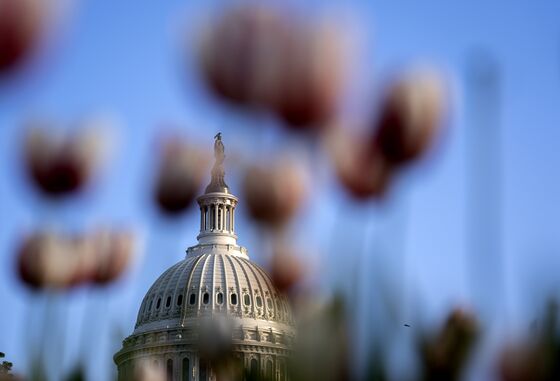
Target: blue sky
[(124, 59)]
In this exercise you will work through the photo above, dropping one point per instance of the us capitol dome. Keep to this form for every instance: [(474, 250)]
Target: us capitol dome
[(215, 291)]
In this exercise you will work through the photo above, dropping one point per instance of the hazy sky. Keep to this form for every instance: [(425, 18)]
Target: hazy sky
[(124, 58)]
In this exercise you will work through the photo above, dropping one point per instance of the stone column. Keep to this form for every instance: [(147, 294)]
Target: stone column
[(215, 216)]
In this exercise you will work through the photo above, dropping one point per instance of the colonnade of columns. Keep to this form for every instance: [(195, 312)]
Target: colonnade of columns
[(217, 217)]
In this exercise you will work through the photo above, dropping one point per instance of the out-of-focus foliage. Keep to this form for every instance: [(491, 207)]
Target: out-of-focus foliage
[(537, 357), (445, 353)]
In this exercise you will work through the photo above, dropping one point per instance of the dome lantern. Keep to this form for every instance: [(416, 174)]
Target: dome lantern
[(217, 204)]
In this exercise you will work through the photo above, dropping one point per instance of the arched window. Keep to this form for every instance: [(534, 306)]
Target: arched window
[(269, 370), (259, 301), (220, 226), (192, 299), (151, 303), (158, 304), (269, 303), (247, 299), (186, 370), (219, 298), (180, 299), (233, 299), (168, 302), (282, 371), (169, 370), (205, 298), (254, 373)]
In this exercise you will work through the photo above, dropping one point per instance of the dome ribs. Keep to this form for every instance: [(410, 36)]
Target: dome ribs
[(252, 312), (186, 305), (271, 289), (238, 286), (260, 290)]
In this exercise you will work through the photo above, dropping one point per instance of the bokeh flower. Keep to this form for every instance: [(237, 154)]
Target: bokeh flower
[(274, 192), (411, 116), (62, 163), (21, 25), (311, 79), (268, 57), (239, 53), (47, 260), (360, 168), (181, 171)]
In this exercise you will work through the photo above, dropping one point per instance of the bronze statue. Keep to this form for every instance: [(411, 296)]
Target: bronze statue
[(218, 184)]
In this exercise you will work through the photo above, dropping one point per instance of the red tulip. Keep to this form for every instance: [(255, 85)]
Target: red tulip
[(20, 28), (240, 53), (180, 176), (261, 56), (286, 269), (61, 164), (273, 193), (45, 261), (48, 260), (363, 171), (411, 117), (311, 80)]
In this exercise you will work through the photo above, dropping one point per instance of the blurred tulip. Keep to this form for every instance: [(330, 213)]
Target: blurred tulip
[(445, 354), (44, 261), (286, 269), (47, 260), (411, 116), (114, 251), (311, 80), (361, 169), (239, 53), (21, 22), (264, 56), (62, 164), (181, 171), (274, 193)]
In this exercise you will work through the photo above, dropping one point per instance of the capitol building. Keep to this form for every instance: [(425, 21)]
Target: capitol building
[(215, 297)]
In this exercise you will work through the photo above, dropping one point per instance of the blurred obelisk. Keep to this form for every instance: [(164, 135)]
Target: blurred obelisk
[(484, 184)]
